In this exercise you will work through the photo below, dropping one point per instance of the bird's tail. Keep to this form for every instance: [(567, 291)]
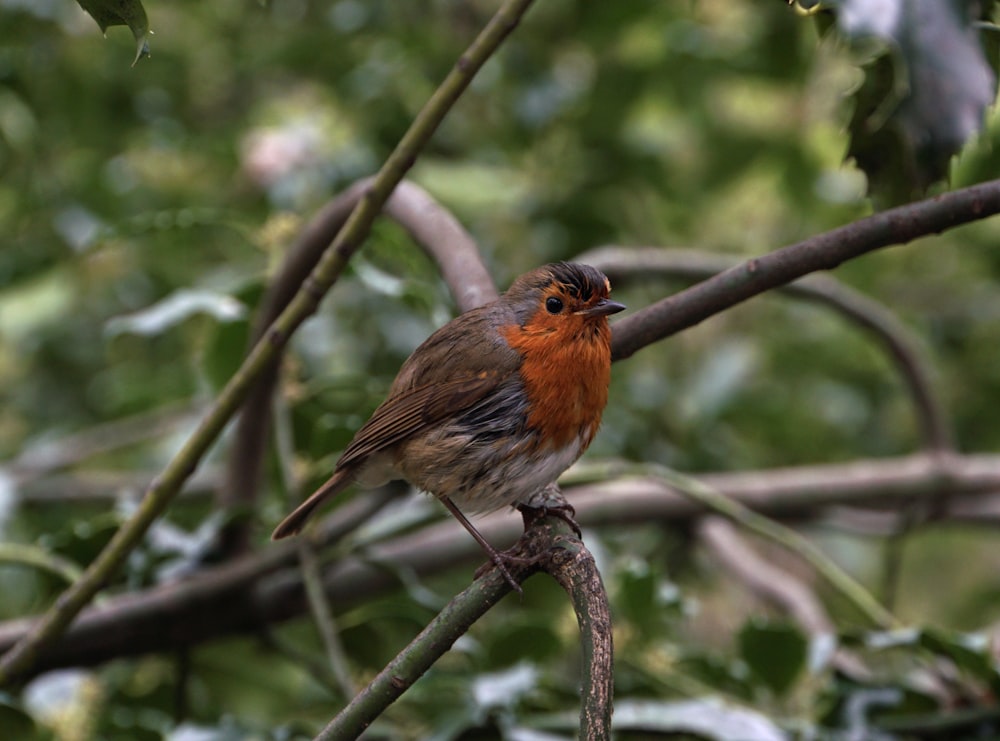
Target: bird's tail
[(292, 524)]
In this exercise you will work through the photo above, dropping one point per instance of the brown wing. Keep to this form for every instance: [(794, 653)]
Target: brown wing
[(396, 419), (453, 369), (412, 411), (440, 379)]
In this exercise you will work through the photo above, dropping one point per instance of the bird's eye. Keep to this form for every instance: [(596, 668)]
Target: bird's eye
[(553, 305)]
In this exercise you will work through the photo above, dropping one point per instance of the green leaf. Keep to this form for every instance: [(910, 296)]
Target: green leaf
[(970, 653), (122, 13), (775, 652), (922, 100)]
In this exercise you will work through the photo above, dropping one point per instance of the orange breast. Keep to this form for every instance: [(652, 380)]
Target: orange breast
[(566, 369)]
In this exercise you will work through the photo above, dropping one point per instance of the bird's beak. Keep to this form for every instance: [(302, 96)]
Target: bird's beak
[(604, 307)]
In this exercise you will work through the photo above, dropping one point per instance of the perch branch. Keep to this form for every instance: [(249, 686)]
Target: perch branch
[(573, 567), (46, 630), (432, 643), (549, 545)]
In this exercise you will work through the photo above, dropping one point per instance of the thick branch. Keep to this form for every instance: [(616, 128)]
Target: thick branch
[(267, 588), (822, 252)]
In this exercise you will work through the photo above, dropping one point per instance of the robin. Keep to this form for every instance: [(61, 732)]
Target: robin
[(494, 405)]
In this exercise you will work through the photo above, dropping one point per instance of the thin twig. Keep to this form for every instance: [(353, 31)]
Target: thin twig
[(55, 622), (719, 503), (311, 572)]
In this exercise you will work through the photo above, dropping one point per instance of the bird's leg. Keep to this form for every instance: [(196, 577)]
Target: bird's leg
[(500, 560)]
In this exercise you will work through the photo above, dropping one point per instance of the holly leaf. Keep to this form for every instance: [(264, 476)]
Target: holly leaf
[(122, 13), (923, 96)]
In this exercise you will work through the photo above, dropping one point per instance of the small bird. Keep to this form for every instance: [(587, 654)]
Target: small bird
[(494, 405)]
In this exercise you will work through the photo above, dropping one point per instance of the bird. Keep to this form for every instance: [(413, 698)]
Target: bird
[(494, 405)]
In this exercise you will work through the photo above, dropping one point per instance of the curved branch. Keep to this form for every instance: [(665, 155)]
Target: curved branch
[(717, 502), (432, 643), (822, 252), (431, 226), (33, 556), (54, 623), (900, 344), (573, 567)]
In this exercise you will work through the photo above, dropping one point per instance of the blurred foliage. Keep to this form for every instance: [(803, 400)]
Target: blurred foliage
[(143, 209), (925, 92)]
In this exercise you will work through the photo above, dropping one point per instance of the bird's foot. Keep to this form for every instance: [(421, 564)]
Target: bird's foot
[(501, 560), (564, 511)]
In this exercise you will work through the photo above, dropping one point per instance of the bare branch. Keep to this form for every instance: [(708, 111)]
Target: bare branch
[(763, 578), (267, 588)]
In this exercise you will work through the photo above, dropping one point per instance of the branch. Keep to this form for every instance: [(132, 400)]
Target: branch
[(54, 623), (547, 544), (901, 345), (52, 455), (33, 556), (431, 226), (822, 252), (573, 567), (268, 586)]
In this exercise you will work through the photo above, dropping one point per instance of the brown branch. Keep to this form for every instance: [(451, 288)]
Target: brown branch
[(901, 345), (774, 585), (432, 227), (573, 567), (267, 588), (822, 252)]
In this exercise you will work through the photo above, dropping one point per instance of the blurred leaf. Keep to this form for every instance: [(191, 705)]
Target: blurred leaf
[(533, 639), (175, 309), (505, 689), (775, 652), (972, 654), (122, 13), (14, 722), (708, 718), (225, 351), (921, 102)]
